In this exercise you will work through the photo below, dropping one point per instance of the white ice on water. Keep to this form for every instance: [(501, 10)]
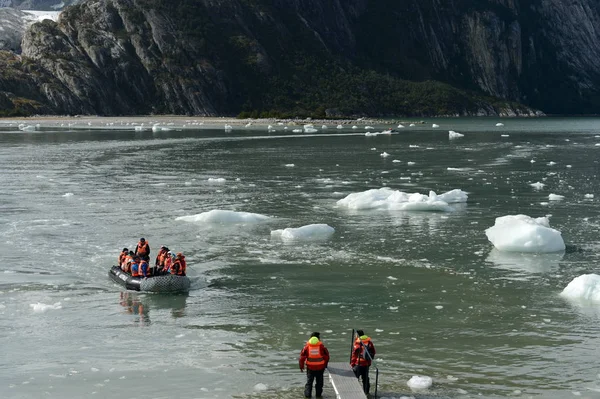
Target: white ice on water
[(217, 180), (420, 382), (499, 124), (260, 387), (311, 232), (219, 216), (585, 287), (454, 135), (538, 185), (42, 307), (435, 126), (589, 196), (386, 198), (522, 233), (556, 197)]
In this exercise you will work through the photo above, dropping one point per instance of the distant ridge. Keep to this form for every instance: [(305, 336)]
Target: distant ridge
[(286, 58)]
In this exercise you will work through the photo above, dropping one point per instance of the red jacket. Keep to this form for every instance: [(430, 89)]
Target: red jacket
[(359, 357), (314, 355)]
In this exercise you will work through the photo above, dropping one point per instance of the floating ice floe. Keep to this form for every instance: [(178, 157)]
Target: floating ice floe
[(420, 382), (400, 126), (297, 130), (27, 128), (585, 287), (522, 233), (260, 387), (224, 217), (42, 307), (311, 232), (412, 125), (499, 124), (68, 194), (556, 197), (589, 196), (538, 185), (217, 180), (309, 129), (339, 127), (384, 154), (435, 126), (386, 198), (289, 165), (454, 135)]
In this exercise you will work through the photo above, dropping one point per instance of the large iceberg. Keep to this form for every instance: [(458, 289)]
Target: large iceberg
[(585, 287), (521, 233), (386, 198), (224, 217), (311, 232)]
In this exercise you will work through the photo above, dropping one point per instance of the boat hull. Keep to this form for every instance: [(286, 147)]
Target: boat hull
[(162, 284)]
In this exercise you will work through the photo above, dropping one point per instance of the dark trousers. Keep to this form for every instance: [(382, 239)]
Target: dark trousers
[(362, 372), (312, 375)]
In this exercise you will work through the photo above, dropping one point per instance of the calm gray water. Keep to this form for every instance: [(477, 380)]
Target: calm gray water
[(71, 199)]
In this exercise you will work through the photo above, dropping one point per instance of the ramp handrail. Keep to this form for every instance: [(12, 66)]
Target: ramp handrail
[(365, 350)]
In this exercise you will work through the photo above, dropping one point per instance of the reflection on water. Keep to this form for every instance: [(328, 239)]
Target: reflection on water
[(139, 305), (525, 262)]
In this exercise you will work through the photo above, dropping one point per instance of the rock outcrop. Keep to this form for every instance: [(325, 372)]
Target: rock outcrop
[(212, 57)]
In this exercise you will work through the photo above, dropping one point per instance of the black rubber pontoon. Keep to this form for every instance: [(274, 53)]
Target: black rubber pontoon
[(166, 283)]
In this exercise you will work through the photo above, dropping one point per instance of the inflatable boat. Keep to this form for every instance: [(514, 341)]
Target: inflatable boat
[(164, 284)]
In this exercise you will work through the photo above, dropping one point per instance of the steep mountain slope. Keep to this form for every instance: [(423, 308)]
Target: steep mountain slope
[(309, 57)]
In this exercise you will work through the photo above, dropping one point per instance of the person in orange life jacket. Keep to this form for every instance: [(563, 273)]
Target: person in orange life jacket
[(135, 267), (169, 260), (125, 260), (160, 257), (122, 256), (128, 261), (144, 269), (363, 352), (143, 249), (315, 357), (179, 265)]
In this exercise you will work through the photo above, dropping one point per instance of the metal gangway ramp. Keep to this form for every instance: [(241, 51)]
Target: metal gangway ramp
[(344, 382)]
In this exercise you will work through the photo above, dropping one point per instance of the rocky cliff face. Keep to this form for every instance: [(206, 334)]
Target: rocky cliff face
[(212, 57)]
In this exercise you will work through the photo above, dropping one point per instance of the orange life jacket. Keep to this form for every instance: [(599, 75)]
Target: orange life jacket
[(179, 267), (168, 264), (315, 360), (121, 257), (363, 358), (160, 258), (143, 248)]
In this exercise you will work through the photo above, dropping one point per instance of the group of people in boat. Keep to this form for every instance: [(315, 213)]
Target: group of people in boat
[(137, 263)]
